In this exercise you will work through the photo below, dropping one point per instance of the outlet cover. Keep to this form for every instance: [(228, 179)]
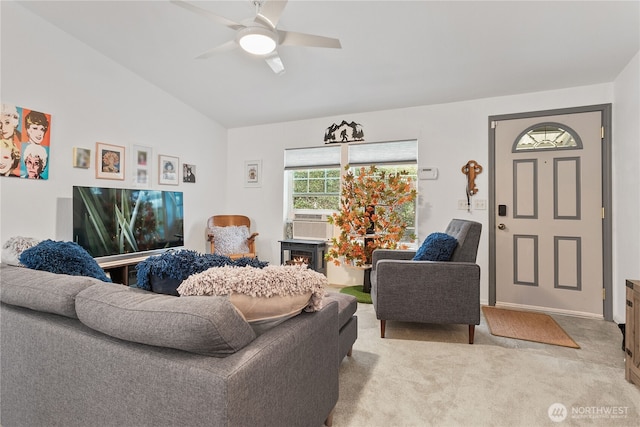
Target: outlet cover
[(462, 205)]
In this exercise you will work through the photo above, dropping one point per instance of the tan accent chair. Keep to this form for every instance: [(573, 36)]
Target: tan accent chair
[(228, 220)]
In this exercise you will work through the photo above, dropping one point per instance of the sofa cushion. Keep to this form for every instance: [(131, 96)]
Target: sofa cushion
[(231, 239), (63, 258), (13, 248), (205, 325), (436, 247), (41, 290), (347, 305)]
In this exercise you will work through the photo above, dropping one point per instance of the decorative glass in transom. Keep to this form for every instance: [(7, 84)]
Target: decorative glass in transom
[(547, 136)]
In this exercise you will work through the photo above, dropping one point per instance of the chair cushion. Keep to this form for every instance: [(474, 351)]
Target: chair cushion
[(62, 258), (231, 239), (436, 247), (205, 325)]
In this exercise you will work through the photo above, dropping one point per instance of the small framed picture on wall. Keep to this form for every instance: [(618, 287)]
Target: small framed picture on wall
[(188, 173), (109, 161), (142, 159), (81, 157), (252, 173), (168, 170)]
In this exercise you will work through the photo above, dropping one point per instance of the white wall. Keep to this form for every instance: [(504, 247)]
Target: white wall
[(449, 135), (626, 188), (92, 99)]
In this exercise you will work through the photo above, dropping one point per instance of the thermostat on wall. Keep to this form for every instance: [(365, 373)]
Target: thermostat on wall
[(428, 173)]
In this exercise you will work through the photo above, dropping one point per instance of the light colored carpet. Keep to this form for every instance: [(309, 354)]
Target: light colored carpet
[(427, 375), (526, 325)]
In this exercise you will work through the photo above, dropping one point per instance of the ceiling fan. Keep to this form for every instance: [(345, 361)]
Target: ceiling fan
[(260, 35)]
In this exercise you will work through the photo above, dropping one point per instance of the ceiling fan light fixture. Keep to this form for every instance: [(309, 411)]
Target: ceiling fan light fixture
[(257, 40)]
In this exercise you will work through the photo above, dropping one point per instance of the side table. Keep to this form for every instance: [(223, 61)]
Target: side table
[(632, 333)]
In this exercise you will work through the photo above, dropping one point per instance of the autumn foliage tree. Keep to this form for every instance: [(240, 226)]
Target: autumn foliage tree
[(370, 217)]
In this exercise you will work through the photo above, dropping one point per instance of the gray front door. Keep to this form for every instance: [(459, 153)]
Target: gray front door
[(548, 213)]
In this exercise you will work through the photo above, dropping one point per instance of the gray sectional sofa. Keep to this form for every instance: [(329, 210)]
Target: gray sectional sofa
[(75, 351)]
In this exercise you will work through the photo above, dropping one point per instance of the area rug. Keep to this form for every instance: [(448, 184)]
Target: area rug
[(528, 326), (356, 291)]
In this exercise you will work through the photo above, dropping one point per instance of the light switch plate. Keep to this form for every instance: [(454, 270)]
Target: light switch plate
[(480, 204)]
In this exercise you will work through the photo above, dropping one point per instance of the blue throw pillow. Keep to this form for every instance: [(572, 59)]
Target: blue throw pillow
[(178, 265), (62, 258), (436, 247)]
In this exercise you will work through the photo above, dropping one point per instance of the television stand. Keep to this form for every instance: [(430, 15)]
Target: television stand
[(123, 270)]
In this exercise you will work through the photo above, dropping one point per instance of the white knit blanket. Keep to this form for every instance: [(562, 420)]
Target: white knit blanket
[(272, 280)]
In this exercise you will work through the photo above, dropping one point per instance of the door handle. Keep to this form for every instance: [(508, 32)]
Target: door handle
[(501, 226)]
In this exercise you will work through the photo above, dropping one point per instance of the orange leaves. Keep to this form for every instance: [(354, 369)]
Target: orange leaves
[(369, 196)]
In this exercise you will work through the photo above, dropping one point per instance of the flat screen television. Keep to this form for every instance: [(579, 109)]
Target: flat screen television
[(111, 222)]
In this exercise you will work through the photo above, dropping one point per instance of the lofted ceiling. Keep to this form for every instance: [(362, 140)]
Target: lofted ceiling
[(394, 53)]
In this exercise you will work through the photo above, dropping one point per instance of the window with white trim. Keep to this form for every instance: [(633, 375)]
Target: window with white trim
[(312, 175)]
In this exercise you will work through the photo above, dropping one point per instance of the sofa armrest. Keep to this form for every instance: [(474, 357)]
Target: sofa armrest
[(440, 292)]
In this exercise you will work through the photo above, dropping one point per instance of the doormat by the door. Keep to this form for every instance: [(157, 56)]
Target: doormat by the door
[(528, 326)]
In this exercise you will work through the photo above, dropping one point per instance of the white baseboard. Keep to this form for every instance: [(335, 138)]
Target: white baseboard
[(549, 310)]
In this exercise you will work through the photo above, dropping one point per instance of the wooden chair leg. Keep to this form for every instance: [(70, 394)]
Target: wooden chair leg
[(472, 330), (383, 323), (329, 421)]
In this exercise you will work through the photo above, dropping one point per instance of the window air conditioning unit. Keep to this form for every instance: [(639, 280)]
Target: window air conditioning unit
[(312, 227)]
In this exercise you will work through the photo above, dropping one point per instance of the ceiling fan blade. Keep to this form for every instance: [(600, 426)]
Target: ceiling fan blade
[(274, 61), (225, 47), (270, 12), (292, 38), (219, 19)]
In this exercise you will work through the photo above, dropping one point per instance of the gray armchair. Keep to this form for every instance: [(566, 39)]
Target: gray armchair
[(430, 291)]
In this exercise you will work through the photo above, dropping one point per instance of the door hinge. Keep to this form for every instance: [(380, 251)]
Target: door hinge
[(494, 124), (604, 294), (603, 212), (601, 132)]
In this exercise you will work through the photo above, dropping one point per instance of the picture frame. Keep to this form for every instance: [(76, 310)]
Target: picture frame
[(168, 169), (110, 161), (142, 159), (252, 173), (188, 173), (81, 158)]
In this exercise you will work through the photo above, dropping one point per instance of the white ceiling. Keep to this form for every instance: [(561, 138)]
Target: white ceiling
[(394, 53)]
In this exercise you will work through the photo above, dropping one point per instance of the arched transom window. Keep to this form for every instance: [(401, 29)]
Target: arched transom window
[(547, 136)]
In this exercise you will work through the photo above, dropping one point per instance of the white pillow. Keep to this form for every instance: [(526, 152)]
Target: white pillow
[(230, 240), (13, 248)]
